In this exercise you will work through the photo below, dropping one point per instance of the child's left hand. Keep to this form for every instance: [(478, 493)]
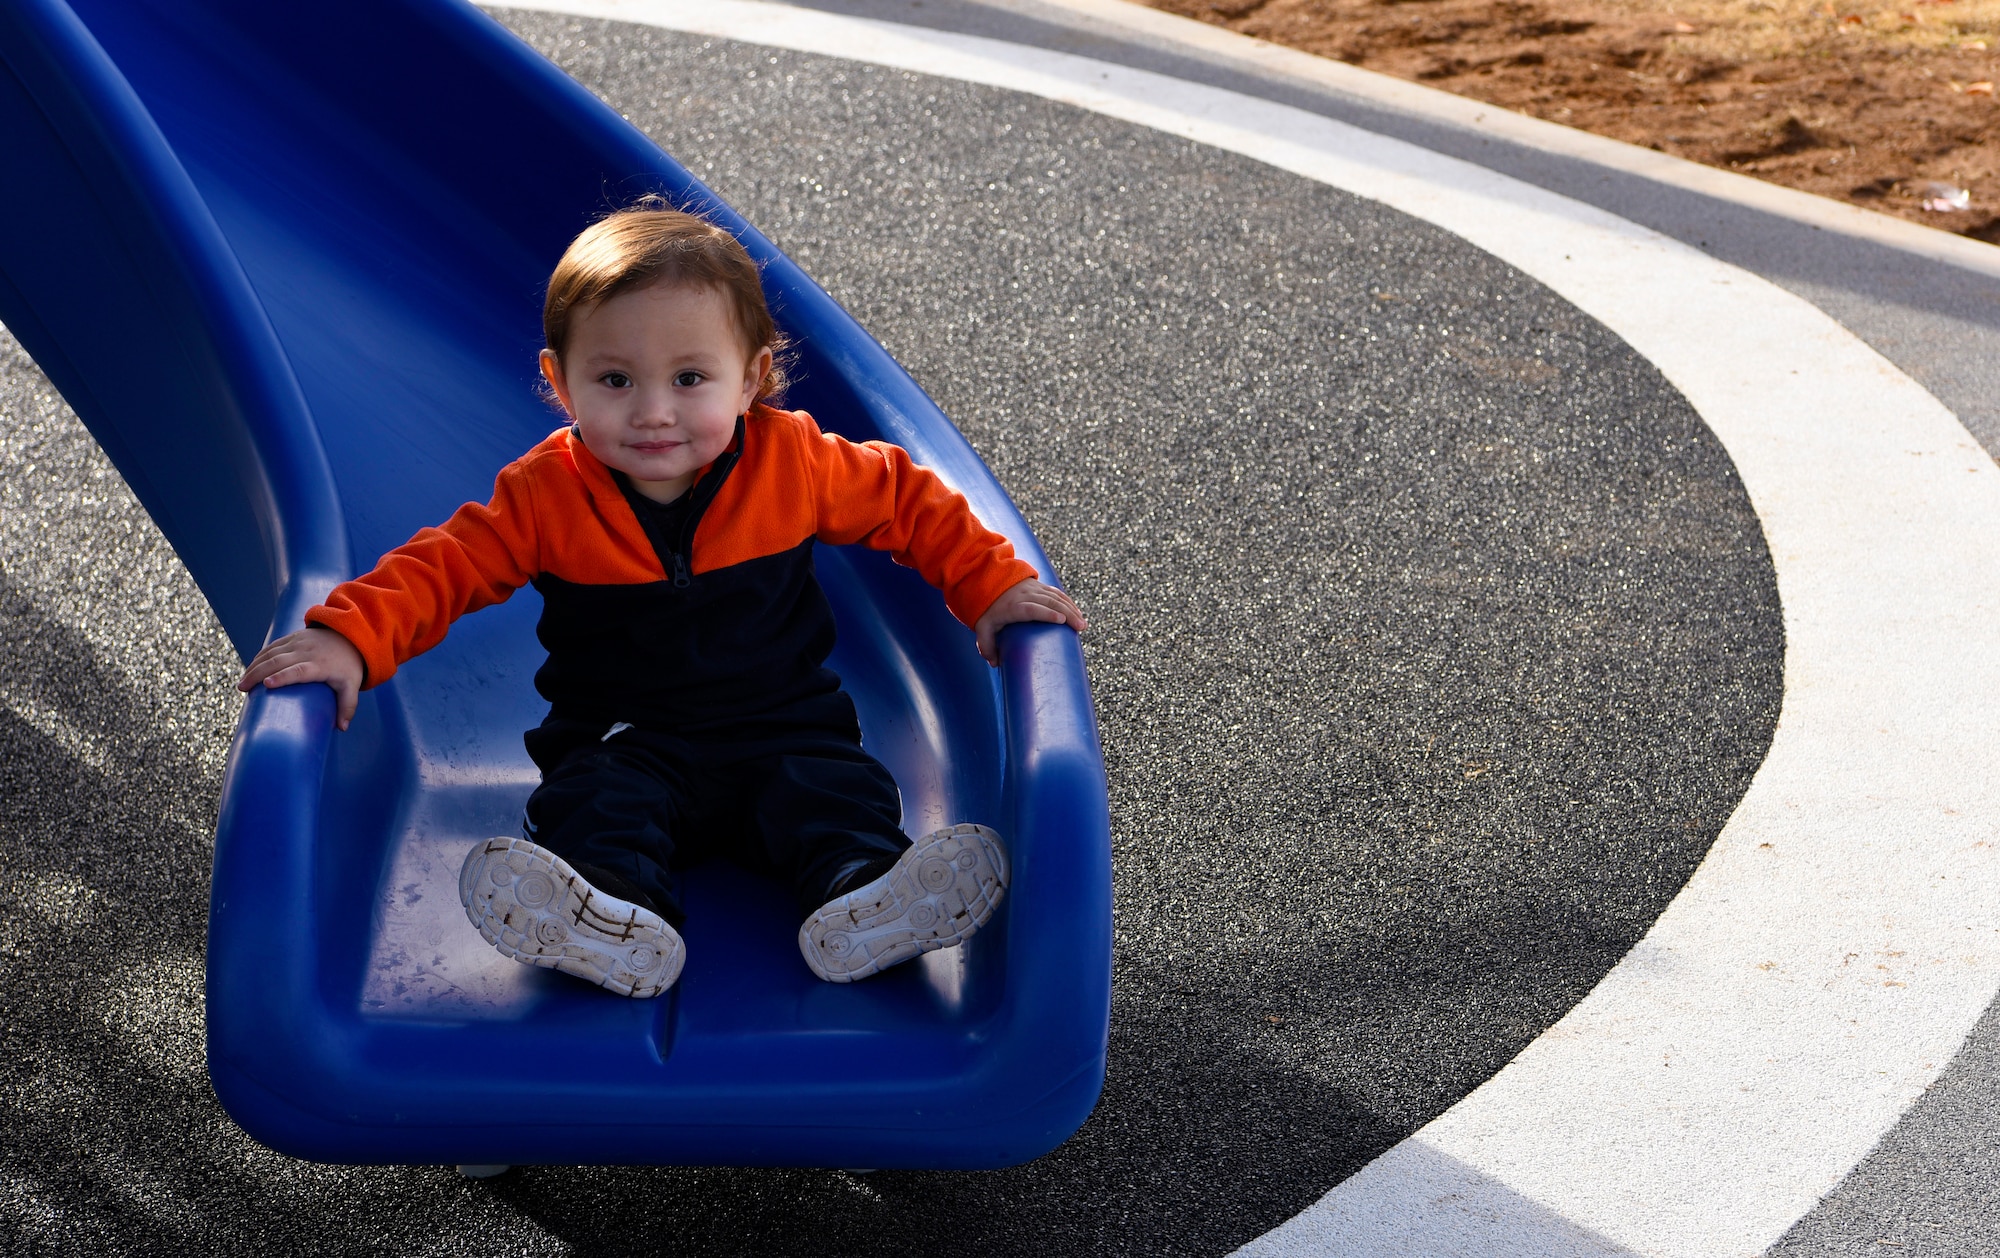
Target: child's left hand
[(1030, 600)]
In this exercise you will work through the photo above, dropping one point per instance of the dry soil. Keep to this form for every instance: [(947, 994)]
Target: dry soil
[(1889, 108)]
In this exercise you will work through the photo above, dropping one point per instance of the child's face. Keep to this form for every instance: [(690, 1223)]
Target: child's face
[(655, 379)]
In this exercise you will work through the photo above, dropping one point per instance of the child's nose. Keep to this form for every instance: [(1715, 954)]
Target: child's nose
[(656, 408)]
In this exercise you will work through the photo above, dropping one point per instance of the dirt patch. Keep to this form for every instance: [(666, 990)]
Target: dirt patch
[(1889, 108)]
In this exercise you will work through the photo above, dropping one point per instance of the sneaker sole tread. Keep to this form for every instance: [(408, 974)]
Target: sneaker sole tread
[(530, 905), (942, 890)]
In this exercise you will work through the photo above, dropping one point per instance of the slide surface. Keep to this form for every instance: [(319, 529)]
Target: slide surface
[(289, 274)]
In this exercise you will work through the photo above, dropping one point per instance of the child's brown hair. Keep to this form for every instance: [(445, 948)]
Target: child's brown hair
[(651, 242)]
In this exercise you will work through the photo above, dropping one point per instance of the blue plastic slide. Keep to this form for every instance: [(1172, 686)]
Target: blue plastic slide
[(285, 261)]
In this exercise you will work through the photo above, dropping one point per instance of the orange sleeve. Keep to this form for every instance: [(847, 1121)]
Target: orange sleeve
[(402, 608), (873, 493)]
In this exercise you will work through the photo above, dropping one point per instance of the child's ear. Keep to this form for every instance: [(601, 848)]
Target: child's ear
[(553, 373), (753, 376)]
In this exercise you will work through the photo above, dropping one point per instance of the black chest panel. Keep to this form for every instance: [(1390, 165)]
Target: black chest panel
[(728, 646)]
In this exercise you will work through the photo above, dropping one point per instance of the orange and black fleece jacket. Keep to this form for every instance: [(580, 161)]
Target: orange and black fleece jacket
[(723, 623)]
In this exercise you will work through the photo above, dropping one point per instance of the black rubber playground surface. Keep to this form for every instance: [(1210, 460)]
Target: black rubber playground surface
[(1432, 635)]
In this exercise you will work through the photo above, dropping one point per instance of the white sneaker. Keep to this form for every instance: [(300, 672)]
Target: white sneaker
[(533, 907), (938, 892)]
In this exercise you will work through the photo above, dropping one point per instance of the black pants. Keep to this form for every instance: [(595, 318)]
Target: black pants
[(800, 801)]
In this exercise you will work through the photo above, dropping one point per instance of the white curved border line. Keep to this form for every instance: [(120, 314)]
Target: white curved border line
[(1831, 953)]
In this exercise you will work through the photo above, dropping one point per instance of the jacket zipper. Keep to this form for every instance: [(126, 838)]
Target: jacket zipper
[(705, 493)]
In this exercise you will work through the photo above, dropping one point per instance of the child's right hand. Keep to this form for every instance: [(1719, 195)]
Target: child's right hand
[(311, 654)]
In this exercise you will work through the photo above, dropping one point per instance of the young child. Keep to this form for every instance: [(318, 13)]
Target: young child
[(670, 530)]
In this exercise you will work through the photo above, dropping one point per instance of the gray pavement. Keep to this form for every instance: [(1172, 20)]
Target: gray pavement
[(1433, 639)]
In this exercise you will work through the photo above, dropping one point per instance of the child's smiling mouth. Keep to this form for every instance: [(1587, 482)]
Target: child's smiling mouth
[(653, 447)]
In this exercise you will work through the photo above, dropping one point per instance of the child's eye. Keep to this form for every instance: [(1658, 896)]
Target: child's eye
[(616, 379), (688, 379)]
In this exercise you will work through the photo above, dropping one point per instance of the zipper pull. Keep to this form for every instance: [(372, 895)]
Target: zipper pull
[(680, 572)]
